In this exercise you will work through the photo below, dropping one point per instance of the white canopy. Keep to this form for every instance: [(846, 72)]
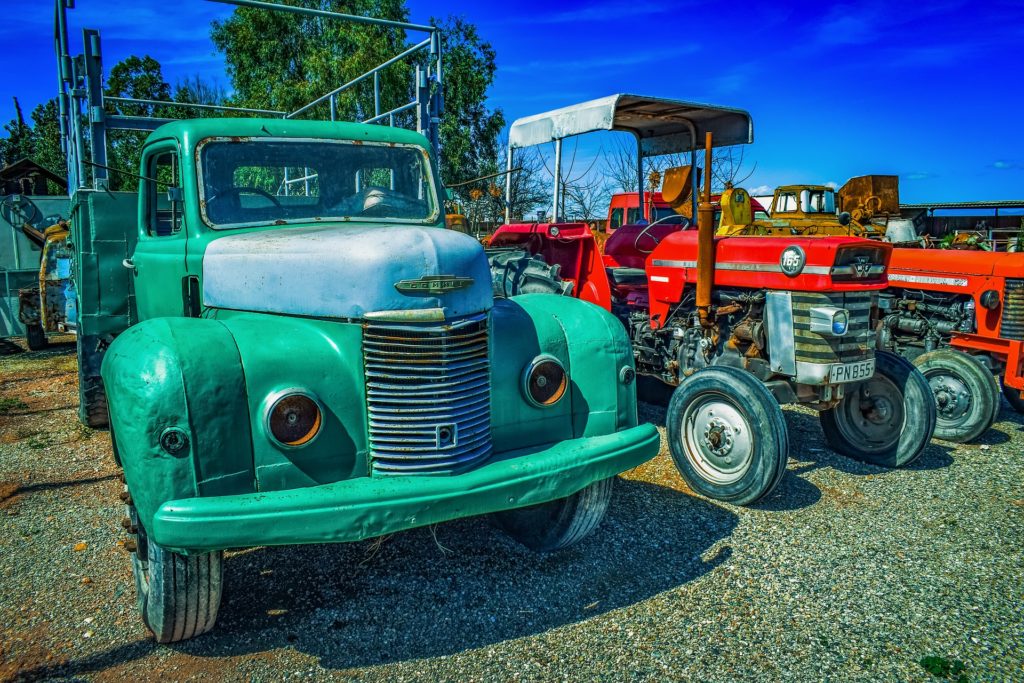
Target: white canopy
[(663, 126)]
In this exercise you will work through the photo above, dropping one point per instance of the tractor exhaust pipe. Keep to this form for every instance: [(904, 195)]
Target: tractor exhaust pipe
[(705, 242)]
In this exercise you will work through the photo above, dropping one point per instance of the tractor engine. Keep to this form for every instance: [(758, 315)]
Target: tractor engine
[(917, 321)]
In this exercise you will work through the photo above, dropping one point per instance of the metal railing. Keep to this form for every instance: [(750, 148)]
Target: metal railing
[(85, 121)]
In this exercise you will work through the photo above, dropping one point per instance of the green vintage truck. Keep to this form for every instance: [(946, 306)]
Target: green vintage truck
[(293, 349), (332, 366)]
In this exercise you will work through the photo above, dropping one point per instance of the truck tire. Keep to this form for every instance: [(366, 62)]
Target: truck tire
[(177, 595), (35, 337), (92, 396), (94, 402), (966, 394), (518, 272), (727, 435), (1013, 398), (560, 523), (887, 420)]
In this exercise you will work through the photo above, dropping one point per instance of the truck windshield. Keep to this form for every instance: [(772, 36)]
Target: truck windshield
[(260, 181)]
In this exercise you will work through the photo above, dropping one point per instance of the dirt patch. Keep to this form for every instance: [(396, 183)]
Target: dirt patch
[(9, 494)]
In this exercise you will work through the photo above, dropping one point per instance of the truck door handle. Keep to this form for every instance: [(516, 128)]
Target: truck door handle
[(127, 263)]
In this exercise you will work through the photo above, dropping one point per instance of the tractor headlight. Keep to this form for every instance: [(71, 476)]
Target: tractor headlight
[(830, 321), (544, 381), (293, 418), (990, 299)]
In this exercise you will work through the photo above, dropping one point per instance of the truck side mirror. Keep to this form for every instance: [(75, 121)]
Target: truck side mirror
[(845, 218), (174, 195)]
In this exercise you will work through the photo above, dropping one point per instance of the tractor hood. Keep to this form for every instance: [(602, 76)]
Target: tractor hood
[(388, 272)]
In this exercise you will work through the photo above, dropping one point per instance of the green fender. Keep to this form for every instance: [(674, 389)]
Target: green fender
[(179, 374)]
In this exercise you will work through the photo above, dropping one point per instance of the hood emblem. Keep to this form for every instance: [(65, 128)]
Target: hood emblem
[(433, 284)]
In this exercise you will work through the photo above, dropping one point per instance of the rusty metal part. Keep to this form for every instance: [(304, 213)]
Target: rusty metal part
[(705, 243), (867, 196), (677, 188)]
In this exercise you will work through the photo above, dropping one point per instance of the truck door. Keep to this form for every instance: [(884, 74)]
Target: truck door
[(158, 263)]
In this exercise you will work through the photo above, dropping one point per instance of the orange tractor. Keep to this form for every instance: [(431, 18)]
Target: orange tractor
[(953, 308)]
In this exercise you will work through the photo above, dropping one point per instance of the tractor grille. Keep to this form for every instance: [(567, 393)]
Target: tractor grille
[(856, 344), (1012, 323), (428, 396)]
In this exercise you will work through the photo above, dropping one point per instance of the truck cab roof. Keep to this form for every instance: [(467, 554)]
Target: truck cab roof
[(193, 130)]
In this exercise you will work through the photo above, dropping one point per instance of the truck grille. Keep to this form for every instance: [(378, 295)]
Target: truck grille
[(855, 345), (1012, 323), (428, 396)]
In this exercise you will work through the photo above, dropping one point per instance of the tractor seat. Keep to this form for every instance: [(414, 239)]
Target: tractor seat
[(627, 277)]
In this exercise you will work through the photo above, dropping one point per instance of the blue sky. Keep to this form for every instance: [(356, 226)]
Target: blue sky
[(931, 91)]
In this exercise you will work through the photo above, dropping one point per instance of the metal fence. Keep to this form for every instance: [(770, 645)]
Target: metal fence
[(85, 121)]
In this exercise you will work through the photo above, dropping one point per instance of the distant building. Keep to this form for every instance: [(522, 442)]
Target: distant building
[(27, 177)]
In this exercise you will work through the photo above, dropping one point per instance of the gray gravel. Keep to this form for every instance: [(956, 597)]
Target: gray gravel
[(848, 572)]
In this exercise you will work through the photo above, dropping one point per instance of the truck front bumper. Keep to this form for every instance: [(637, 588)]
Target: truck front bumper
[(365, 507)]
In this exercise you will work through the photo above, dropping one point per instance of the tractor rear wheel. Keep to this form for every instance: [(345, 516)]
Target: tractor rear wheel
[(1013, 398), (966, 394), (886, 420), (518, 272), (559, 523), (727, 435), (35, 337)]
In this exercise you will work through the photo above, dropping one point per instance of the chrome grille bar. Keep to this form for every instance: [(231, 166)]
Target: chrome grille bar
[(428, 396)]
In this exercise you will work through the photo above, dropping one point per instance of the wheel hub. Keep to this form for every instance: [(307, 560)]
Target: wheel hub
[(717, 439), (952, 398)]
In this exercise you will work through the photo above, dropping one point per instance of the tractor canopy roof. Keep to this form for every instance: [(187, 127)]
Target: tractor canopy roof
[(663, 126), (191, 131)]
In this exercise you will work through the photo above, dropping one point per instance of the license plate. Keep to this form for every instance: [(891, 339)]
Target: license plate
[(851, 372)]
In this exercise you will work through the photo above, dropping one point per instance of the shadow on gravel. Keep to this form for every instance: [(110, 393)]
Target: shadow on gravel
[(463, 585), (808, 446), (13, 492)]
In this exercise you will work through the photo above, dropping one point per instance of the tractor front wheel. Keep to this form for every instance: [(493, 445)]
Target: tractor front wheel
[(886, 420), (1013, 398), (966, 394), (559, 523), (727, 435)]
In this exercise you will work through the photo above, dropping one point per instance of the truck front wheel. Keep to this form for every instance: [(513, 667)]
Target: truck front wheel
[(887, 420), (727, 435), (177, 595), (966, 394), (559, 523)]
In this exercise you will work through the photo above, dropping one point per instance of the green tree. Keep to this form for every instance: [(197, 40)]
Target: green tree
[(139, 78), (469, 130), (46, 149), (18, 143), (282, 61)]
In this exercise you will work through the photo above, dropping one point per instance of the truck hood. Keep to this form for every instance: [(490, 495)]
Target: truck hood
[(349, 272)]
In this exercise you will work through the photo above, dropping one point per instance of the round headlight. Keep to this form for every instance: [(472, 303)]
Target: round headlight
[(990, 299), (792, 261), (544, 381), (294, 419)]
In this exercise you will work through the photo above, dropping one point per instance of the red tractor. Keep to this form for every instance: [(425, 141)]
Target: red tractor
[(954, 307), (739, 325)]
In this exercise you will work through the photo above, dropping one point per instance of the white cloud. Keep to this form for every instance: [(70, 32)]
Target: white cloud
[(833, 184), (761, 190)]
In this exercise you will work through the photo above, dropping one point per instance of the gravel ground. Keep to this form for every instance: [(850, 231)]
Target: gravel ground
[(847, 572)]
